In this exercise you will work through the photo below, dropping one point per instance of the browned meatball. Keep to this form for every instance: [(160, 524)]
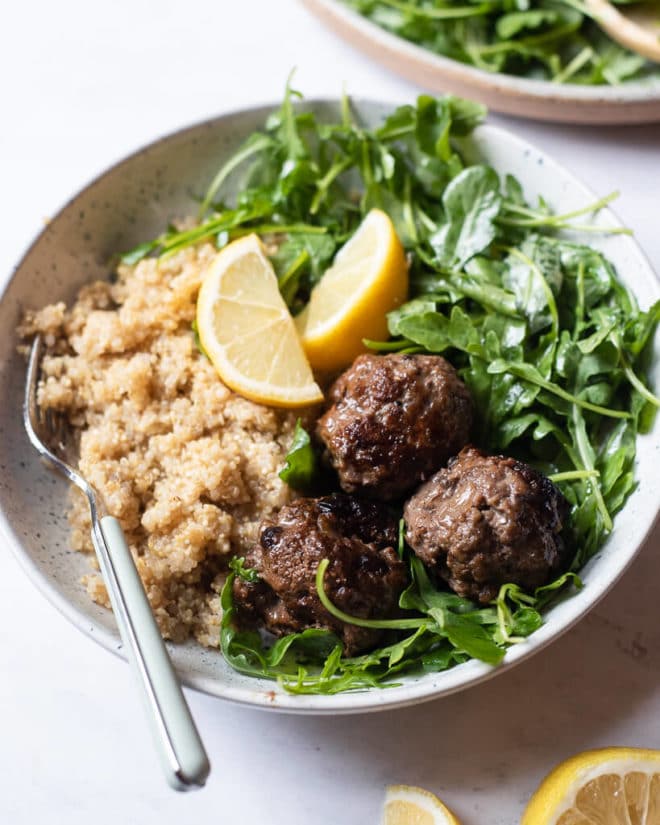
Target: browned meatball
[(486, 520), (364, 578), (395, 419)]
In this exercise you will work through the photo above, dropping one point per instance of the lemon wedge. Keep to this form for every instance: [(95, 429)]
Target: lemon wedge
[(407, 805), (247, 330), (368, 278), (613, 786)]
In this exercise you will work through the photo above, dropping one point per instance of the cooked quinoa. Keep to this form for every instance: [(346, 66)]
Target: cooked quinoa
[(187, 466)]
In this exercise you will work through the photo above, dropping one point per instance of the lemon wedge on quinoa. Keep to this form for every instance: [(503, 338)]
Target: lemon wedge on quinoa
[(612, 786), (407, 805), (247, 331), (368, 279)]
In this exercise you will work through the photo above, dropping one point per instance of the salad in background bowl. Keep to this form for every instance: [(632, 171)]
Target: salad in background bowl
[(543, 60), (553, 40)]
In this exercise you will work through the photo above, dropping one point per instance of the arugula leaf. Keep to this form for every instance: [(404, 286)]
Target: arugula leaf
[(137, 253), (302, 258), (471, 638), (513, 23), (414, 308), (533, 283), (471, 202), (301, 462), (248, 574)]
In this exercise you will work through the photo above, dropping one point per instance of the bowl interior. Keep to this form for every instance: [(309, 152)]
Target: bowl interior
[(132, 202)]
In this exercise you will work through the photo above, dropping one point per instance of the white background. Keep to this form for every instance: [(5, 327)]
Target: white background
[(81, 85)]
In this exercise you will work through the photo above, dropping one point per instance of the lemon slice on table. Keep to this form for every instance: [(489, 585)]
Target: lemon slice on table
[(406, 805), (368, 278), (247, 331), (612, 786)]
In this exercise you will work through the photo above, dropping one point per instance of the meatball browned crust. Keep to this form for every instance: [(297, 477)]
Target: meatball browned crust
[(364, 578), (486, 520), (395, 419)]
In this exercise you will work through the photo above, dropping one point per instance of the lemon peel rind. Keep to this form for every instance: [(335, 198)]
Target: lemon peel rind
[(423, 799), (557, 793)]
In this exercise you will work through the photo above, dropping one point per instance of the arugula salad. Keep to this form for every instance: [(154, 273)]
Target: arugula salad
[(553, 348), (555, 40)]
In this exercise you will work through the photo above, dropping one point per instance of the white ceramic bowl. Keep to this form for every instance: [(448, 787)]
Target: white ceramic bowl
[(132, 202), (636, 101)]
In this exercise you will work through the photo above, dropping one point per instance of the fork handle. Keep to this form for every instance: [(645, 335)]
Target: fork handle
[(180, 748)]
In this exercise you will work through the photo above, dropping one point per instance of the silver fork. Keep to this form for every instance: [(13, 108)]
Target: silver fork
[(180, 748)]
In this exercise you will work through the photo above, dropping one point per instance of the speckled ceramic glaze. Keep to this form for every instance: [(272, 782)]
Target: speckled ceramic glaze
[(630, 102), (132, 202)]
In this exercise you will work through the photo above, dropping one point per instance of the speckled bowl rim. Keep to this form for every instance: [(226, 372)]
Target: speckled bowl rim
[(633, 101), (453, 680)]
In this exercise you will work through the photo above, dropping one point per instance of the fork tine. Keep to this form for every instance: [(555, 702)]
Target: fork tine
[(50, 419), (43, 427), (47, 429), (60, 430), (31, 413)]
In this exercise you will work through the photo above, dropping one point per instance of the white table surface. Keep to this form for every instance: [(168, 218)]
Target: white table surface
[(82, 85)]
